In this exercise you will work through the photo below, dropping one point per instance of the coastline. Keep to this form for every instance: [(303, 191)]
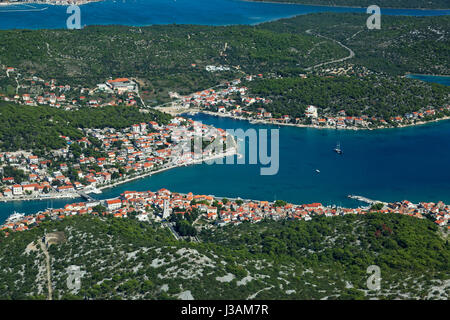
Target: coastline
[(74, 195), (427, 74), (222, 155), (265, 122)]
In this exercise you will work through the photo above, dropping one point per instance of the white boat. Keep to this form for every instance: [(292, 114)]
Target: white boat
[(317, 170), (15, 217), (338, 149), (96, 191)]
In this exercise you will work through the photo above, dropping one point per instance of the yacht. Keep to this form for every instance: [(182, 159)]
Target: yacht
[(15, 217), (338, 149)]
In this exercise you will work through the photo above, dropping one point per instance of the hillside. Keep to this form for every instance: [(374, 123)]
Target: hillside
[(165, 58), (174, 57), (39, 128), (374, 96), (325, 258), (402, 45)]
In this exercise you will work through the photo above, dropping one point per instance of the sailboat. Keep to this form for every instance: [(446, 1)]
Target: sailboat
[(338, 149)]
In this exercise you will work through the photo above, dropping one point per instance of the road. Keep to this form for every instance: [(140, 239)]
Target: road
[(350, 56)]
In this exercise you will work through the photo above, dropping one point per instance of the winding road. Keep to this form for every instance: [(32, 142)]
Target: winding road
[(350, 56)]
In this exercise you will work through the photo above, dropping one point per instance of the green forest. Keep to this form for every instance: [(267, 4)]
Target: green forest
[(431, 4), (326, 257), (173, 57), (160, 56), (39, 128), (374, 95), (402, 45)]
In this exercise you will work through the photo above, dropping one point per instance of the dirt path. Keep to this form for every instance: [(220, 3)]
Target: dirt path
[(47, 260)]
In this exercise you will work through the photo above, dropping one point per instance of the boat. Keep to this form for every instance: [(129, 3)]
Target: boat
[(338, 149), (96, 191), (15, 217), (317, 170)]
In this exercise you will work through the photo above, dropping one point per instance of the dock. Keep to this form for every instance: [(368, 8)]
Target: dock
[(364, 199), (86, 196)]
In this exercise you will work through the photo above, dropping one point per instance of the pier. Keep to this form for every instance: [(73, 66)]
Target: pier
[(86, 196), (364, 199)]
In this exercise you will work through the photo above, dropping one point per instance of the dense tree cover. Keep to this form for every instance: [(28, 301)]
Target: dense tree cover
[(403, 44), (18, 174), (183, 221), (40, 128), (280, 203), (388, 240), (324, 257), (432, 4), (160, 56), (372, 95)]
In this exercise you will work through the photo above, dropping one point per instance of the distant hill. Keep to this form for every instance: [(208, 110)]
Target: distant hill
[(418, 4), (325, 258), (403, 44)]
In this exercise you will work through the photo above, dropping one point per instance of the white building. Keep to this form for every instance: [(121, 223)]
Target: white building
[(311, 111), (17, 190), (114, 204)]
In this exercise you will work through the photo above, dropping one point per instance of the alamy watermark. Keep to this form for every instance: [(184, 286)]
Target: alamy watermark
[(74, 20), (74, 275), (374, 280), (212, 146), (374, 21)]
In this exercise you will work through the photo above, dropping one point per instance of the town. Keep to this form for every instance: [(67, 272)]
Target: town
[(105, 157), (216, 103), (232, 100), (33, 91), (210, 211), (235, 101)]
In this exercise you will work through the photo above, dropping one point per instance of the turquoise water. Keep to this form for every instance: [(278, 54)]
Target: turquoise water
[(445, 80), (389, 165), (146, 12)]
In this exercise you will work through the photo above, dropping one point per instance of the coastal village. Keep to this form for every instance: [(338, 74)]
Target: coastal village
[(159, 206), (133, 152), (217, 103), (232, 100), (34, 91), (235, 99)]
